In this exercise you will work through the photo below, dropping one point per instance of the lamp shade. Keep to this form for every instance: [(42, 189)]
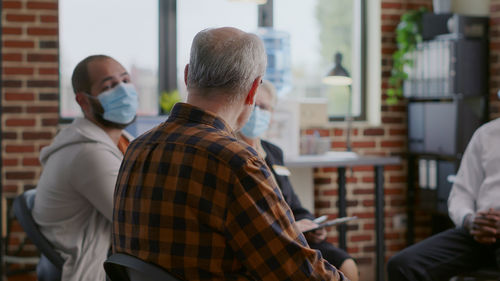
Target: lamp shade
[(338, 75)]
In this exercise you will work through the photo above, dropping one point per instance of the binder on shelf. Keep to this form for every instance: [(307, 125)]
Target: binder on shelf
[(422, 173), (432, 174), (436, 72)]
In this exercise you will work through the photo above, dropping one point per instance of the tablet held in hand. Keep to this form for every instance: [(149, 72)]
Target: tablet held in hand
[(332, 222)]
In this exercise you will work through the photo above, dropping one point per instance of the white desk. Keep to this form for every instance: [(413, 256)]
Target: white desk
[(303, 182)]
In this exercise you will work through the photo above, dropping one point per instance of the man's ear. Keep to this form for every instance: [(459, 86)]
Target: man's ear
[(186, 74), (250, 99), (83, 101)]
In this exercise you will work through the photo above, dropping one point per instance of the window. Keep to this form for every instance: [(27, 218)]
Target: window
[(126, 30), (316, 29)]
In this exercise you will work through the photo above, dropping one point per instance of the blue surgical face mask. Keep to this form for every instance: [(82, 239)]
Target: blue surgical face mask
[(119, 104), (257, 124)]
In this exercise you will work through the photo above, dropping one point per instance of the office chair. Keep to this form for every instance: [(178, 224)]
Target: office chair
[(50, 265), (123, 267)]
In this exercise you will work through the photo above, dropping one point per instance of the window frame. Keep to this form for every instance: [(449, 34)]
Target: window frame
[(167, 40)]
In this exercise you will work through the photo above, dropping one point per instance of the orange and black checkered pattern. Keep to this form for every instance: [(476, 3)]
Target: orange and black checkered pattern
[(193, 199)]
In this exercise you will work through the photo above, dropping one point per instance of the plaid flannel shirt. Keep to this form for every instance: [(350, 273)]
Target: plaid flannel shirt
[(194, 200)]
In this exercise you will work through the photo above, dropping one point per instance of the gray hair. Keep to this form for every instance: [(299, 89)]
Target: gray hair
[(230, 63)]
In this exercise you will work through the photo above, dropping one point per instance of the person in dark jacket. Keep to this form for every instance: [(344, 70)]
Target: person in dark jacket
[(255, 127)]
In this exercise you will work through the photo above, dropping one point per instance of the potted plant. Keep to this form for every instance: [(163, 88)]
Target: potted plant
[(408, 35)]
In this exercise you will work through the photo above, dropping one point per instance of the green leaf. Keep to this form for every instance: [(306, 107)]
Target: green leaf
[(408, 35)]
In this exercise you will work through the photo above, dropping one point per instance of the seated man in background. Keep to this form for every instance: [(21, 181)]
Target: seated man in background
[(195, 200), (474, 207), (256, 126), (74, 198)]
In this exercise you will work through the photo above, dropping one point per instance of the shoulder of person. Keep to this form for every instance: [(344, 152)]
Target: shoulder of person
[(272, 148)]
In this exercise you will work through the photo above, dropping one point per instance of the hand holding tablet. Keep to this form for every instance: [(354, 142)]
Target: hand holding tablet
[(330, 222)]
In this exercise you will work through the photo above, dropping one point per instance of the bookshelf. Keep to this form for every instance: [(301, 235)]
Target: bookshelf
[(447, 93)]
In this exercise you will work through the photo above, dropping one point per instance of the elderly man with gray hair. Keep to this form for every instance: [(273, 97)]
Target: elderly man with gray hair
[(193, 199)]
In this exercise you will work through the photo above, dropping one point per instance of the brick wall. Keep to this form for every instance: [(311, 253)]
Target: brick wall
[(387, 139), (29, 91), (494, 58)]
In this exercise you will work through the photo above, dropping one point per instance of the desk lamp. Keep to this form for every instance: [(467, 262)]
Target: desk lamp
[(338, 76)]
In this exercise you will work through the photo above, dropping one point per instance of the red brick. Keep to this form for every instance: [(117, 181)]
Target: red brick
[(31, 161), (338, 132), (12, 109), (42, 58), (12, 30), (48, 71), (386, 5), (37, 5), (10, 162), (388, 191), (18, 44), (351, 180), (19, 96), (11, 148), (50, 122), (331, 192), (20, 175), (396, 179), (20, 18), (369, 226), (368, 179), (18, 70), (49, 18), (42, 31), (12, 83), (9, 188), (392, 143), (12, 57), (363, 191), (329, 169), (356, 238), (323, 132), (373, 132), (392, 120), (37, 135), (43, 83), (391, 236), (19, 122), (9, 135), (393, 168), (362, 169), (391, 17), (338, 144), (322, 180), (368, 203), (42, 109), (364, 260), (363, 144), (369, 249), (11, 4), (397, 132), (321, 204)]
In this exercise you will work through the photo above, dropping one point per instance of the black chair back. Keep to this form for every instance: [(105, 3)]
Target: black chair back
[(123, 267), (50, 266)]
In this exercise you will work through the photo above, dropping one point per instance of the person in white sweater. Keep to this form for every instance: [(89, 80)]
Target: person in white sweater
[(74, 196), (474, 207)]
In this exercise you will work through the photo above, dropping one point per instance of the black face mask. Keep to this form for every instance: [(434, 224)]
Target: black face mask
[(97, 112)]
